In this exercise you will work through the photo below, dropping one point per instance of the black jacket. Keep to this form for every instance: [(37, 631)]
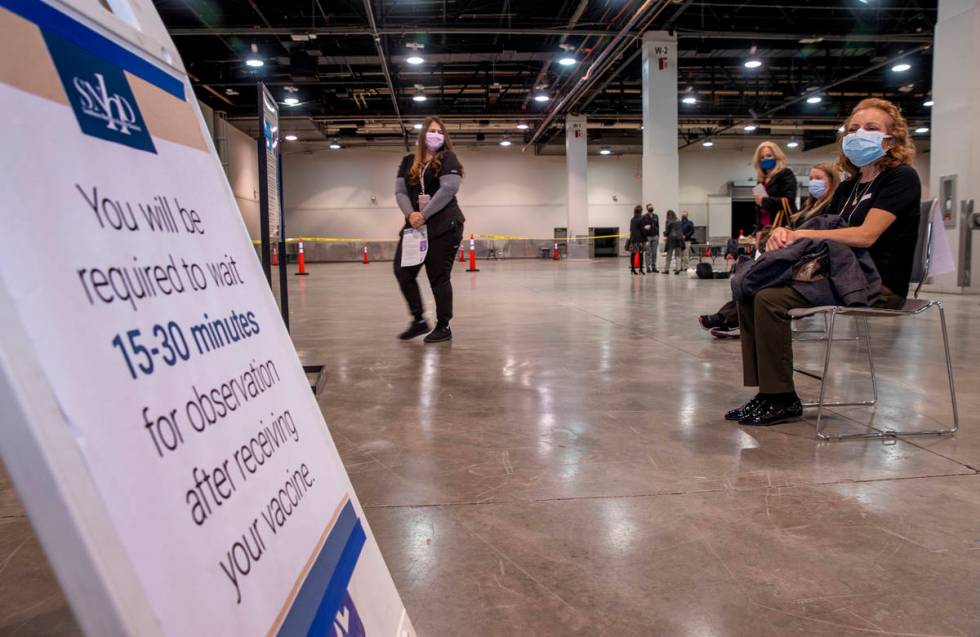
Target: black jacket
[(675, 235), (778, 186), (851, 278), (651, 219), (637, 234), (687, 227)]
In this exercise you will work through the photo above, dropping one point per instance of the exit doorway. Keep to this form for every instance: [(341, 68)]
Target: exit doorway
[(606, 247)]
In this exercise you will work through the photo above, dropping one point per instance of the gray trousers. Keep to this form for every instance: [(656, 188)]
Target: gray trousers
[(652, 244)]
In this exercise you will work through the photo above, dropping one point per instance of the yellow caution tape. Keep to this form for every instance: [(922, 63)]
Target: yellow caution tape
[(502, 237)]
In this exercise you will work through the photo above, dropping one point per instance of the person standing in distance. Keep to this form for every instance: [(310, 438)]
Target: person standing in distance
[(776, 179), (425, 189), (687, 227), (638, 240), (653, 237)]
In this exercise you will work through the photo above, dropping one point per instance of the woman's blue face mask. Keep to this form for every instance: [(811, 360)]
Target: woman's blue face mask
[(817, 188), (864, 147), (768, 164)]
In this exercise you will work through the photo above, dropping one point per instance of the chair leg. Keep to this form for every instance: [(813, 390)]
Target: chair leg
[(823, 377), (871, 362), (949, 368)]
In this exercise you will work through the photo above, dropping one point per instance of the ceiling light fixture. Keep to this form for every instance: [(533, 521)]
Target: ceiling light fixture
[(605, 151), (291, 138), (792, 144), (748, 128), (901, 67), (922, 130), (690, 99), (814, 99), (708, 144), (541, 97), (290, 101), (522, 126), (928, 103), (335, 145), (567, 60), (417, 125), (415, 57), (254, 62), (753, 64), (419, 96), (505, 142)]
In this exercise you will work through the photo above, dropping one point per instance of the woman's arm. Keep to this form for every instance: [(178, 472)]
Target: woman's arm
[(402, 197), (448, 187), (863, 236)]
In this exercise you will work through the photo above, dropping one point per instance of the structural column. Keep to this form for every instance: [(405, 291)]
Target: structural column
[(576, 162), (660, 163), (955, 127)]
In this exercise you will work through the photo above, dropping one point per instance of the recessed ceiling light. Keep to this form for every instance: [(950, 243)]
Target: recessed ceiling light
[(748, 128), (290, 101), (541, 97), (901, 67), (334, 145), (753, 64), (708, 144), (417, 125), (928, 103), (792, 144), (291, 138), (254, 62), (567, 60), (415, 59), (815, 99), (690, 100), (505, 142), (922, 130), (522, 126)]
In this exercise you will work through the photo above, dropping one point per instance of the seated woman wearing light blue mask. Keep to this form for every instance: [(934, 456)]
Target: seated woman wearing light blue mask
[(880, 204)]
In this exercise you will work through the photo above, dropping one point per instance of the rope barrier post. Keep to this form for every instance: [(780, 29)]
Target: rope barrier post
[(365, 255), (473, 267), (301, 260)]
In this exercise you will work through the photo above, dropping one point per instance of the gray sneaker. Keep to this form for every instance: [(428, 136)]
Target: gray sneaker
[(725, 332)]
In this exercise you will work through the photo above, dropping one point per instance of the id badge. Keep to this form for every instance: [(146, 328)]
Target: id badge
[(423, 201)]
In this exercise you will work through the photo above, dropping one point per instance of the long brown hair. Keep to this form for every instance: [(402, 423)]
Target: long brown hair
[(419, 162), (812, 207), (777, 152), (903, 148)]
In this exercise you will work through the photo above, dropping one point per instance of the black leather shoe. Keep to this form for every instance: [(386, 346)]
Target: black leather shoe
[(417, 328), (745, 410), (771, 413), (439, 335), (709, 321)]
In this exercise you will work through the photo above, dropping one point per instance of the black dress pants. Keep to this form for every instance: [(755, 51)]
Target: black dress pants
[(438, 263)]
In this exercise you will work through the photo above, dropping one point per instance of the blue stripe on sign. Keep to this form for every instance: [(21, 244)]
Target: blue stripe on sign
[(323, 623), (50, 19), (307, 603)]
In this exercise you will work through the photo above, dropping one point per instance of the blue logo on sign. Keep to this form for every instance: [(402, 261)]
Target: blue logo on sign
[(99, 94), (348, 623)]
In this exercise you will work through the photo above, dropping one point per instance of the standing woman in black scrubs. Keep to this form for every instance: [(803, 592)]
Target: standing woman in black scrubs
[(425, 189)]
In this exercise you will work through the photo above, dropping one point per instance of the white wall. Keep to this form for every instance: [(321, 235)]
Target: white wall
[(242, 169), (328, 193)]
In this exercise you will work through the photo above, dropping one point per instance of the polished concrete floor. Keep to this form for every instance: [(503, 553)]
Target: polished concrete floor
[(563, 467)]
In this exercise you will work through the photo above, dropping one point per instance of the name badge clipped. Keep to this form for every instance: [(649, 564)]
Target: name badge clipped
[(415, 244)]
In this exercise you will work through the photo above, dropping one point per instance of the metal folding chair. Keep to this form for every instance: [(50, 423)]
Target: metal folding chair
[(912, 307)]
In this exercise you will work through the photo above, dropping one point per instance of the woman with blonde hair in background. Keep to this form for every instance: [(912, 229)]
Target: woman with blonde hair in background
[(776, 187)]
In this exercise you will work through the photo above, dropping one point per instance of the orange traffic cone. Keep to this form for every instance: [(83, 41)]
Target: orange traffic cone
[(472, 255), (275, 256), (365, 255), (555, 256), (301, 259)]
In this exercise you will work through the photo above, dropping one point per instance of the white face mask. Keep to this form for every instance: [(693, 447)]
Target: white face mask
[(434, 141)]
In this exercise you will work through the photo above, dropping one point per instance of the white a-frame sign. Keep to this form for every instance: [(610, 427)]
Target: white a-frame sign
[(157, 423)]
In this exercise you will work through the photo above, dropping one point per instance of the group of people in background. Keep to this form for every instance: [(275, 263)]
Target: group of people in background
[(644, 240)]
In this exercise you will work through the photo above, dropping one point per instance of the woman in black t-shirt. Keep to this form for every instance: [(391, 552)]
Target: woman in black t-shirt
[(880, 203), (425, 189)]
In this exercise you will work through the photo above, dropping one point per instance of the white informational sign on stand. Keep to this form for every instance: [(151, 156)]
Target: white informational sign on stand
[(157, 422), (270, 157)]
